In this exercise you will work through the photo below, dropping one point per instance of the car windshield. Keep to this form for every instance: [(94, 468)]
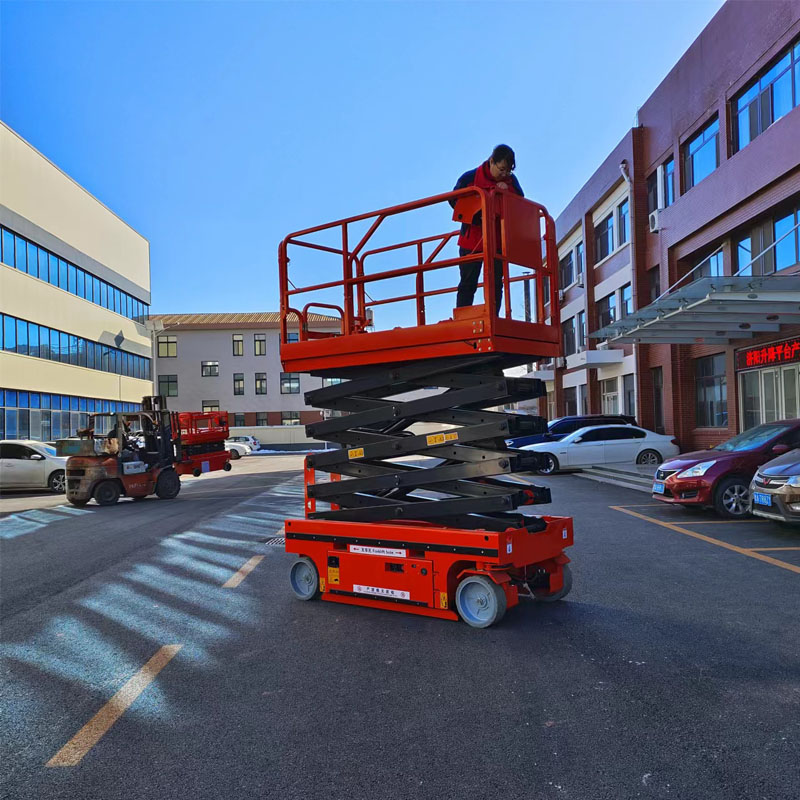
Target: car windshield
[(51, 451), (752, 439)]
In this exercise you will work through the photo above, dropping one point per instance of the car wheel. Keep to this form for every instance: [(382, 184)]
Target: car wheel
[(235, 454), (168, 485), (550, 465), (649, 457), (57, 482), (732, 497), (106, 493)]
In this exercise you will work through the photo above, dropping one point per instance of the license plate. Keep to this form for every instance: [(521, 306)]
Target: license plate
[(658, 487), (762, 499)]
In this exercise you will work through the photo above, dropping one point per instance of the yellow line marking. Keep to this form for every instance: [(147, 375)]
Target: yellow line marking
[(242, 573), (90, 734), (694, 534), (727, 522), (762, 549), (641, 505)]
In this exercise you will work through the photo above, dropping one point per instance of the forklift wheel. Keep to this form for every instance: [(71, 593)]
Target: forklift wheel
[(106, 493), (168, 484), (197, 473), (227, 466), (304, 579), (480, 601), (560, 594), (78, 503)]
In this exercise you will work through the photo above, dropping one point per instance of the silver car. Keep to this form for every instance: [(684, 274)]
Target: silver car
[(26, 464)]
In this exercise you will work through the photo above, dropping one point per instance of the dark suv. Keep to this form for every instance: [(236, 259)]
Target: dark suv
[(559, 428)]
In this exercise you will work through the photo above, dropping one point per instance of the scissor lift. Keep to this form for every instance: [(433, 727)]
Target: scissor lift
[(413, 516)]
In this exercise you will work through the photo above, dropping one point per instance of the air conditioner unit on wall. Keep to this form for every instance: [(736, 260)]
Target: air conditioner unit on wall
[(653, 221), (559, 362), (560, 295)]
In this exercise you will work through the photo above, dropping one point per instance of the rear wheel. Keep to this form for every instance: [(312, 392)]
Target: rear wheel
[(168, 485), (106, 493), (304, 579), (480, 601), (78, 503), (550, 464), (57, 482), (732, 497), (649, 457), (551, 597), (227, 466)]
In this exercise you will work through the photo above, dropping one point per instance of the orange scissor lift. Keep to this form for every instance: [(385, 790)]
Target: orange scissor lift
[(410, 520)]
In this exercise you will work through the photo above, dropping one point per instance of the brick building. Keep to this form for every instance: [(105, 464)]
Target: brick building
[(689, 257)]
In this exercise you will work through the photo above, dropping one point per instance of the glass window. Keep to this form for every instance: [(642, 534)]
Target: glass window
[(90, 355), (652, 193), (168, 385), (626, 306), (568, 336), (238, 420), (701, 154), (8, 248), (238, 383), (669, 182), (73, 350), (210, 405), (259, 344), (167, 346), (290, 383), (43, 269), (22, 337), (629, 395), (209, 369), (53, 269), (55, 346), (607, 310), (711, 392), (579, 258), (580, 324), (33, 340), (290, 417), (624, 221), (571, 401), (785, 242), (22, 253), (81, 352), (63, 280), (9, 334), (567, 270), (261, 382), (72, 277), (238, 344), (104, 294), (604, 238), (609, 396), (292, 336), (33, 260), (654, 283), (261, 418), (63, 341)]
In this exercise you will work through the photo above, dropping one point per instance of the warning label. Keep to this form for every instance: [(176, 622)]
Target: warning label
[(440, 438), (378, 591), (451, 437), (378, 551), (442, 599), (356, 452), (333, 575)]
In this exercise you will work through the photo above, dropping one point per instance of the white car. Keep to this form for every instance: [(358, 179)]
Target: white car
[(606, 444), (238, 449), (250, 441), (26, 464)]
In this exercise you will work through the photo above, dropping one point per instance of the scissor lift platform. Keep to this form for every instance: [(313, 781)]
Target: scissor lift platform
[(420, 509)]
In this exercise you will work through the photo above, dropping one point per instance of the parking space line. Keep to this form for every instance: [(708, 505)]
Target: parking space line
[(91, 733), (741, 550), (764, 549), (726, 521), (242, 572)]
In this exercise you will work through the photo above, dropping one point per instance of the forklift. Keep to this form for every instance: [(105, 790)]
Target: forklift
[(131, 454)]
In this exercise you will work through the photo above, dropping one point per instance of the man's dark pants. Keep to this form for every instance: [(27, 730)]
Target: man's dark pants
[(470, 273)]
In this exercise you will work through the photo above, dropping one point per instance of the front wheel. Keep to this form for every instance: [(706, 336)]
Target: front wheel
[(550, 464), (106, 493), (651, 458), (168, 485), (57, 482), (227, 466), (304, 579), (732, 498), (480, 601), (77, 503)]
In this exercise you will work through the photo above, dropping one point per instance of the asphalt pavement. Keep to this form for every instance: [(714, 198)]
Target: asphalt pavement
[(154, 650)]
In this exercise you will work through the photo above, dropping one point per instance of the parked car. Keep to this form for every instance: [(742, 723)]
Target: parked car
[(250, 441), (720, 477), (775, 488), (237, 449), (25, 464), (559, 428), (605, 444)]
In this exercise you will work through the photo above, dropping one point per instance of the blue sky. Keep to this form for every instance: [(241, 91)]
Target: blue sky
[(215, 129)]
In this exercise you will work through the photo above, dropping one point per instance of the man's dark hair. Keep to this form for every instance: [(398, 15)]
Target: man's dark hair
[(503, 153)]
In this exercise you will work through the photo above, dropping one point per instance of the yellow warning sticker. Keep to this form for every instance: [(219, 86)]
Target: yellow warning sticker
[(356, 452), (442, 599), (434, 438), (451, 437), (322, 585), (333, 575)]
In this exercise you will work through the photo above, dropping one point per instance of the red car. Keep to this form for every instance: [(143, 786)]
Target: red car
[(721, 476)]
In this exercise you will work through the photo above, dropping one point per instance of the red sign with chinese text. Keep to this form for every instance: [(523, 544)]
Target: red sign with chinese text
[(768, 355)]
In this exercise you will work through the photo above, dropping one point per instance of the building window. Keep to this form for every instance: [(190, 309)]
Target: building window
[(786, 240), (626, 306), (290, 417), (701, 154), (579, 260), (261, 382), (292, 336), (210, 405), (657, 377), (546, 289), (568, 336), (261, 418), (710, 267), (771, 95), (238, 344), (331, 381), (624, 222), (168, 385), (652, 193), (238, 383), (607, 310), (711, 392), (654, 283), (629, 395), (209, 369), (604, 238), (290, 383), (260, 344), (669, 182), (580, 323), (583, 402), (571, 401), (238, 420), (609, 396), (167, 346), (567, 270)]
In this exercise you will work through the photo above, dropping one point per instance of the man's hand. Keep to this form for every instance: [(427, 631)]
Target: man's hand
[(502, 185)]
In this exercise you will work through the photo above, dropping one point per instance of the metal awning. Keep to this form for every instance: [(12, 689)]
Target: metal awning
[(711, 311)]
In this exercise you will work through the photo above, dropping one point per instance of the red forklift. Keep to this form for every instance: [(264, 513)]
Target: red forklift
[(141, 453)]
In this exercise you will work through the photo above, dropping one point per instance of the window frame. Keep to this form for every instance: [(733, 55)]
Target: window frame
[(170, 342), (170, 380), (290, 379), (707, 417), (238, 384), (210, 365), (704, 135)]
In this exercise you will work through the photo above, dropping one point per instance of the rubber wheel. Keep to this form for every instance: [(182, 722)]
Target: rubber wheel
[(227, 466), (139, 498), (480, 601), (649, 457), (235, 454), (197, 473), (77, 503), (106, 493), (57, 482), (304, 579), (732, 497), (548, 597), (551, 466), (168, 485)]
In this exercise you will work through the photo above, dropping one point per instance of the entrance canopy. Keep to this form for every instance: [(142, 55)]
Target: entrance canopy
[(711, 311)]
